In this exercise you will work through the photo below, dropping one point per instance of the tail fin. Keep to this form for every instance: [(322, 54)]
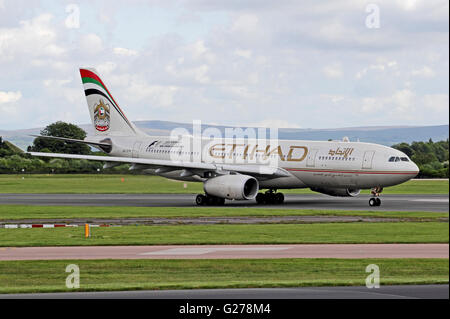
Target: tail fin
[(106, 115)]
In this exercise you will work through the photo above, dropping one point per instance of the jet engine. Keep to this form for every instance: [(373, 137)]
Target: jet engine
[(232, 186), (341, 192)]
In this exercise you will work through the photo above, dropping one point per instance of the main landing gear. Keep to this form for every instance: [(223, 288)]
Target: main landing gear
[(270, 197), (375, 200), (208, 200)]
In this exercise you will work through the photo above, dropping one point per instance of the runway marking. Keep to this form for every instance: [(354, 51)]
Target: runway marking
[(202, 251)]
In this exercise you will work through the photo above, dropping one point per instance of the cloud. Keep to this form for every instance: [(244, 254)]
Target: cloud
[(33, 38), (426, 72), (10, 97), (125, 52), (403, 101), (106, 68), (198, 74), (436, 103), (309, 65), (379, 67), (9, 108), (333, 70), (155, 95), (247, 23), (243, 53), (90, 44)]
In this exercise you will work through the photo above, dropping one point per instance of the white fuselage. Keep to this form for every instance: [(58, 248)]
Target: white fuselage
[(325, 164)]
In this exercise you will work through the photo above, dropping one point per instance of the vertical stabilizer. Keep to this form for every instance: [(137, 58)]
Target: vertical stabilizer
[(106, 115)]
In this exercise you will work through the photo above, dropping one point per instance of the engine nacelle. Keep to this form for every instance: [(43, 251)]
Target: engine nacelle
[(232, 186), (341, 192)]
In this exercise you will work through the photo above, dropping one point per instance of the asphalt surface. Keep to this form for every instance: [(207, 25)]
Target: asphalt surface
[(384, 292), (435, 203), (228, 251)]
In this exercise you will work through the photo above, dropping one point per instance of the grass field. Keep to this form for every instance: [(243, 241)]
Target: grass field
[(12, 212), (103, 183), (46, 276), (96, 275), (410, 232)]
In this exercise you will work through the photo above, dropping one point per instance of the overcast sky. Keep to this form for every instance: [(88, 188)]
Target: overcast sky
[(284, 63)]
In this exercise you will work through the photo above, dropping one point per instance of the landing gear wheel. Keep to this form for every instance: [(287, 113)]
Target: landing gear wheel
[(269, 198), (208, 200), (200, 200), (374, 201), (220, 201), (260, 198), (279, 198), (376, 191)]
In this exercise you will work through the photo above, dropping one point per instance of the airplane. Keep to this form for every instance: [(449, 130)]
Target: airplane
[(238, 168)]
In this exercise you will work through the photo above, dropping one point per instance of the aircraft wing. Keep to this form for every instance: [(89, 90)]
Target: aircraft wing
[(65, 139), (261, 170)]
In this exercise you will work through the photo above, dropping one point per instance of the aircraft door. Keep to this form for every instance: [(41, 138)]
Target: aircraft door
[(311, 160), (136, 148), (367, 160)]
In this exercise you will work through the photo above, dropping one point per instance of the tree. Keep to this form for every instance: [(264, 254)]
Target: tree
[(61, 129), (405, 148), (431, 157)]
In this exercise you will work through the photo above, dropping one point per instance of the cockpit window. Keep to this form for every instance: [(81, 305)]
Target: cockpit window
[(398, 159)]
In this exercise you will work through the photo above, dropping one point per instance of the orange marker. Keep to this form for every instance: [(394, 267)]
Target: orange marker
[(87, 231)]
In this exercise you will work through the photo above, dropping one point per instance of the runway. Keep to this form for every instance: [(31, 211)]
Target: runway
[(384, 292), (434, 203), (228, 251)]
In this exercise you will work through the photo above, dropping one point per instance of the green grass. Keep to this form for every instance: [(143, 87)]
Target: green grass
[(104, 275), (65, 212), (410, 232), (113, 184), (418, 186)]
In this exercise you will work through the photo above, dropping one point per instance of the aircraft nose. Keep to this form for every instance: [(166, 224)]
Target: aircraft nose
[(413, 168)]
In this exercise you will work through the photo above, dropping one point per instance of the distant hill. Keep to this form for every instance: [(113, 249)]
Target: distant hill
[(385, 135)]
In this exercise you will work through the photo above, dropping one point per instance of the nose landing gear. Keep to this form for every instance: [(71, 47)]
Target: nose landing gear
[(375, 200)]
